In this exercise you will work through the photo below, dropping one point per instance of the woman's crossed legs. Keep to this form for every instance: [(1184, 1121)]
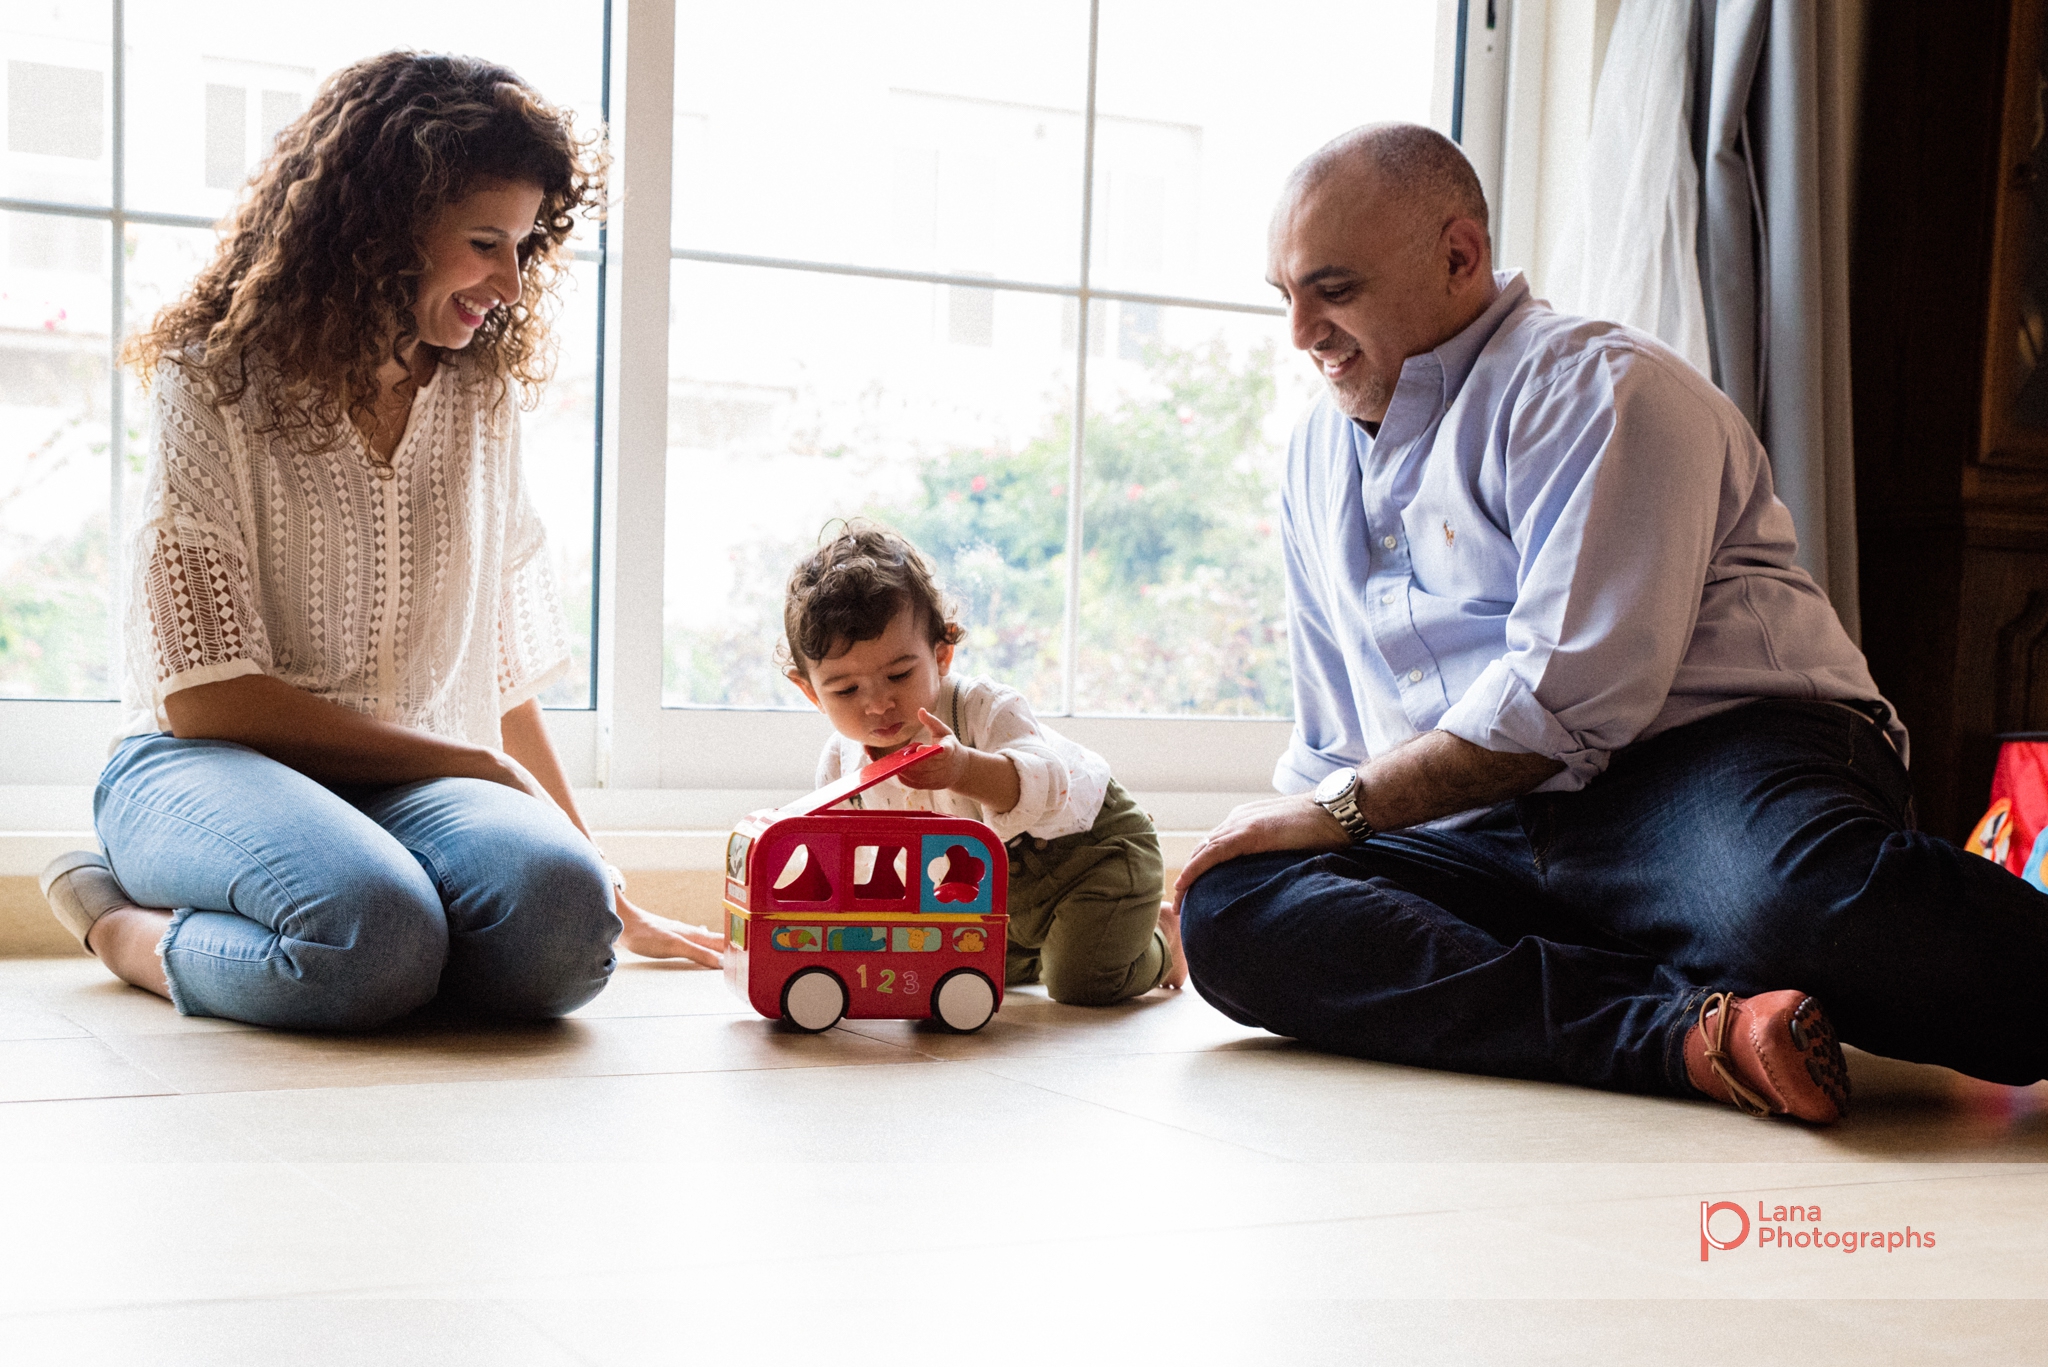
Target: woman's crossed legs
[(303, 907)]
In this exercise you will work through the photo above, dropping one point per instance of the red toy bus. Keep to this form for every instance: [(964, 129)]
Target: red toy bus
[(866, 915)]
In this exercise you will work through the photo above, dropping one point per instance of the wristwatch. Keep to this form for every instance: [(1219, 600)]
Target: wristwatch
[(1338, 795)]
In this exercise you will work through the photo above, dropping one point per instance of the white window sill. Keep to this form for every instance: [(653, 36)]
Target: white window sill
[(645, 829)]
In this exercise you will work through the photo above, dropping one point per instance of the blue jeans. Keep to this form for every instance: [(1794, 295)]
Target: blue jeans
[(309, 907), (1571, 936)]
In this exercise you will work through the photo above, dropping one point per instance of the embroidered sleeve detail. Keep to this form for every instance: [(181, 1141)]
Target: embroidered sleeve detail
[(193, 614), (196, 586)]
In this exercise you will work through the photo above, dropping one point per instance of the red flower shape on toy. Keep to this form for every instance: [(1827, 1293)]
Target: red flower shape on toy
[(961, 881)]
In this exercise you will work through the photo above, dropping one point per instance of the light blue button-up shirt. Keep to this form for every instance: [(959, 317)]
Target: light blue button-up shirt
[(1562, 540)]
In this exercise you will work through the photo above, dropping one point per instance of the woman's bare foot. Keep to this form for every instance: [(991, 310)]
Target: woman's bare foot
[(1176, 957), (126, 939)]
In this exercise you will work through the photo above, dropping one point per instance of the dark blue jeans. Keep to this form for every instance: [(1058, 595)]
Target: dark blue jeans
[(1571, 936)]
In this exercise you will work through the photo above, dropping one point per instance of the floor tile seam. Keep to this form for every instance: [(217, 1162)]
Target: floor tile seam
[(357, 1210), (108, 1037), (532, 1079), (1490, 1213), (494, 1294), (601, 1017), (1682, 1194), (909, 1056), (1210, 1047), (494, 1297), (1117, 1236), (1133, 1115), (517, 1313), (180, 1302), (113, 1046), (1080, 1055), (96, 1096)]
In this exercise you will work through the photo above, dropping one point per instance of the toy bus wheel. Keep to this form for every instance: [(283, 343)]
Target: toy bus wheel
[(964, 1000), (814, 1000)]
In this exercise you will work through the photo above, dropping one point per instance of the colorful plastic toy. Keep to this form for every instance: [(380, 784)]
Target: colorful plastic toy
[(847, 914)]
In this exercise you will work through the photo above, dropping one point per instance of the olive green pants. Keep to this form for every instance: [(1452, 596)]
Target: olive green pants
[(1084, 909)]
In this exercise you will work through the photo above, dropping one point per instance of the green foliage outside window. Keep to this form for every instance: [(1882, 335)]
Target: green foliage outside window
[(54, 613), (1182, 597)]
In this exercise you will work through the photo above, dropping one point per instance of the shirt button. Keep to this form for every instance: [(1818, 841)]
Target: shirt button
[(1390, 542), (1386, 598), (1414, 676)]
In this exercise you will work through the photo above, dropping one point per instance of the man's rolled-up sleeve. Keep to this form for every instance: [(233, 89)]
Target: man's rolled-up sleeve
[(1614, 489)]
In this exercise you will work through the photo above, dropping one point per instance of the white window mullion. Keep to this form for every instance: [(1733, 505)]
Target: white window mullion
[(117, 417), (636, 399), (1071, 625), (1479, 123)]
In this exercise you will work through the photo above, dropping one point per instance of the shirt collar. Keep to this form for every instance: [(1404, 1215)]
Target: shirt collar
[(1431, 381)]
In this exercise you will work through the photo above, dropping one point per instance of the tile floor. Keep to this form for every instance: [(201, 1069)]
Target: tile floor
[(666, 1178)]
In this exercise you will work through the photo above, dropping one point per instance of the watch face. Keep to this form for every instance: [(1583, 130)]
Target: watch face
[(1334, 785)]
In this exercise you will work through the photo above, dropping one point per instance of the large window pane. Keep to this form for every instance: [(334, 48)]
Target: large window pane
[(210, 82), (929, 136), (796, 398), (1183, 605), (562, 475), (56, 67), (159, 263), (55, 475), (201, 122), (1205, 109)]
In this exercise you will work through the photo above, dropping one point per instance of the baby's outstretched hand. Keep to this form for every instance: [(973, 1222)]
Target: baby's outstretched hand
[(943, 770)]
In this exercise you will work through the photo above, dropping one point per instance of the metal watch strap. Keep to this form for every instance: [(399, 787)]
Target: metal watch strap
[(1345, 809)]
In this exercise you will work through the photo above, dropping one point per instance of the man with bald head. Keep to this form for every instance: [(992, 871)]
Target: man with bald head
[(1587, 783)]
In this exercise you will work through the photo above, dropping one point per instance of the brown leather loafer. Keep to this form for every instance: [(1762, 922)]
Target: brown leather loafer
[(1771, 1054)]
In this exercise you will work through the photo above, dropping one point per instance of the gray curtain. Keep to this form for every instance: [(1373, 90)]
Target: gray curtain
[(1771, 138)]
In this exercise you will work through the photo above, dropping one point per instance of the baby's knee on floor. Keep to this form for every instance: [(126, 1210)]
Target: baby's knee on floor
[(1116, 966), (1086, 987)]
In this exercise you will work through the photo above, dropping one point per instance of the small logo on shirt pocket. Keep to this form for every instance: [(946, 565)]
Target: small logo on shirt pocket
[(1450, 536)]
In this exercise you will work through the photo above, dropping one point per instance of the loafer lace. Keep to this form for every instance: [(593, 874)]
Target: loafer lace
[(1720, 1005)]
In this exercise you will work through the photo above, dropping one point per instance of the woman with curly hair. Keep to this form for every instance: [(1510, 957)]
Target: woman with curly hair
[(341, 613)]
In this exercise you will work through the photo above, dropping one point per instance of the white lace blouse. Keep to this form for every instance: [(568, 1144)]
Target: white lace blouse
[(424, 598)]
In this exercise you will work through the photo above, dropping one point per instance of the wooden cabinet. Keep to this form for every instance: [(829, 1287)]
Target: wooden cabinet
[(1949, 323)]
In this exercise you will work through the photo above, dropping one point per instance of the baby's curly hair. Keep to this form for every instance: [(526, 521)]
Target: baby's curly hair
[(851, 588), (317, 268)]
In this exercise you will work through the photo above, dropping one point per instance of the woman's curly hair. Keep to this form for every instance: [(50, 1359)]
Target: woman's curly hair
[(317, 268)]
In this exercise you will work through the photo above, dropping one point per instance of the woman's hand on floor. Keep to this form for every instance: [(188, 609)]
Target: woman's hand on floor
[(657, 937)]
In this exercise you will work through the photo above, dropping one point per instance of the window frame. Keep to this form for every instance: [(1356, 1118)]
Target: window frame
[(626, 738)]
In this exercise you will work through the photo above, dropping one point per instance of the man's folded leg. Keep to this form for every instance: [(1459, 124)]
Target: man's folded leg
[(1425, 948), (1769, 848)]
